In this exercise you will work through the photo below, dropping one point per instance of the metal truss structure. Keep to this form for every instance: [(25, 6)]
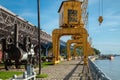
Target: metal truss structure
[(7, 21)]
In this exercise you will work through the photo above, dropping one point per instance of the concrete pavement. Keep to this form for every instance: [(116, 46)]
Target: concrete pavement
[(66, 70)]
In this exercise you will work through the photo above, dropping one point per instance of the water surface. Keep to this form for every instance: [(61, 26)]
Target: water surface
[(110, 67)]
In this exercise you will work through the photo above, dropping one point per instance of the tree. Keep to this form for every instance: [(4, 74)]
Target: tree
[(97, 52)]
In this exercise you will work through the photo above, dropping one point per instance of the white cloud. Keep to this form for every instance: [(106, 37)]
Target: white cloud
[(91, 2), (28, 14), (112, 30), (108, 48), (111, 18), (111, 23), (50, 26)]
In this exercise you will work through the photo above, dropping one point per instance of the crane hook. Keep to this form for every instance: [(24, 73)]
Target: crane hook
[(100, 19)]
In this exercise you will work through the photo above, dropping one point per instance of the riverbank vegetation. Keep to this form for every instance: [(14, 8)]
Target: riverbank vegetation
[(97, 52)]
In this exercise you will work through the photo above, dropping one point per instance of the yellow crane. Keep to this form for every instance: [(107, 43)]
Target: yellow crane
[(73, 18), (70, 22)]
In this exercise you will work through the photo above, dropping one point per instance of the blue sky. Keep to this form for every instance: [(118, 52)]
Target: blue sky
[(106, 37)]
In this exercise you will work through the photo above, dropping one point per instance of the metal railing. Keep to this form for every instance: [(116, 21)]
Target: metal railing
[(96, 73), (25, 76)]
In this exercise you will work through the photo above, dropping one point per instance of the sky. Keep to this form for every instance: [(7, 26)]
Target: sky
[(106, 37)]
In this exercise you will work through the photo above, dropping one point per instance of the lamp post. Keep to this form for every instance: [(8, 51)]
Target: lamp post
[(39, 47)]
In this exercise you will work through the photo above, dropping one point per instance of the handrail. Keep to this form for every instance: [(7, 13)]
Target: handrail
[(96, 73)]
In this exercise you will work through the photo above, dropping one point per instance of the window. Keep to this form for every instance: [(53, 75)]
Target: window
[(72, 15)]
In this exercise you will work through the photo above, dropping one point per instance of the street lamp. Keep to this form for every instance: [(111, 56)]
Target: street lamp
[(39, 47)]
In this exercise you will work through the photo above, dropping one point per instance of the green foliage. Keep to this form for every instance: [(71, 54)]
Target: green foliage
[(45, 64), (1, 64), (42, 76), (64, 50), (97, 52), (79, 51), (4, 75), (72, 51)]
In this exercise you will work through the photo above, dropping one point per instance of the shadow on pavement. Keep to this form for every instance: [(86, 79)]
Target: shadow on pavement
[(70, 74)]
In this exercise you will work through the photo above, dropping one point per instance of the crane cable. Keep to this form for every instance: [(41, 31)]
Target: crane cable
[(100, 7), (100, 19)]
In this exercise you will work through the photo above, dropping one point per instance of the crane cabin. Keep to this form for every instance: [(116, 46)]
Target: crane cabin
[(70, 14)]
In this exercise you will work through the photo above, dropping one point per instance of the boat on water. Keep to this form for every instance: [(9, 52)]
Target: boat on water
[(111, 57)]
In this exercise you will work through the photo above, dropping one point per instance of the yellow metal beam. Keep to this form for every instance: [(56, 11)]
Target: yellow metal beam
[(70, 22), (69, 42), (57, 33)]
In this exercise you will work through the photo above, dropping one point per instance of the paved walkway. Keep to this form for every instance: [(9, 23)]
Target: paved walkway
[(67, 70)]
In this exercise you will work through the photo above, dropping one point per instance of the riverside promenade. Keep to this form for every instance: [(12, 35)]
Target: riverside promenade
[(66, 70)]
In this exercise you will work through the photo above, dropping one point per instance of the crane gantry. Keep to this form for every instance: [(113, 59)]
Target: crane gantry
[(73, 19), (71, 23)]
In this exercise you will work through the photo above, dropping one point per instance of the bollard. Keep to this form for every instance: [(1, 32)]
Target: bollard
[(14, 77), (25, 75)]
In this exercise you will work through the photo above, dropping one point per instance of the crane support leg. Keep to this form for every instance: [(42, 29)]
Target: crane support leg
[(57, 33), (55, 39), (69, 42), (68, 51), (75, 46), (85, 50)]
